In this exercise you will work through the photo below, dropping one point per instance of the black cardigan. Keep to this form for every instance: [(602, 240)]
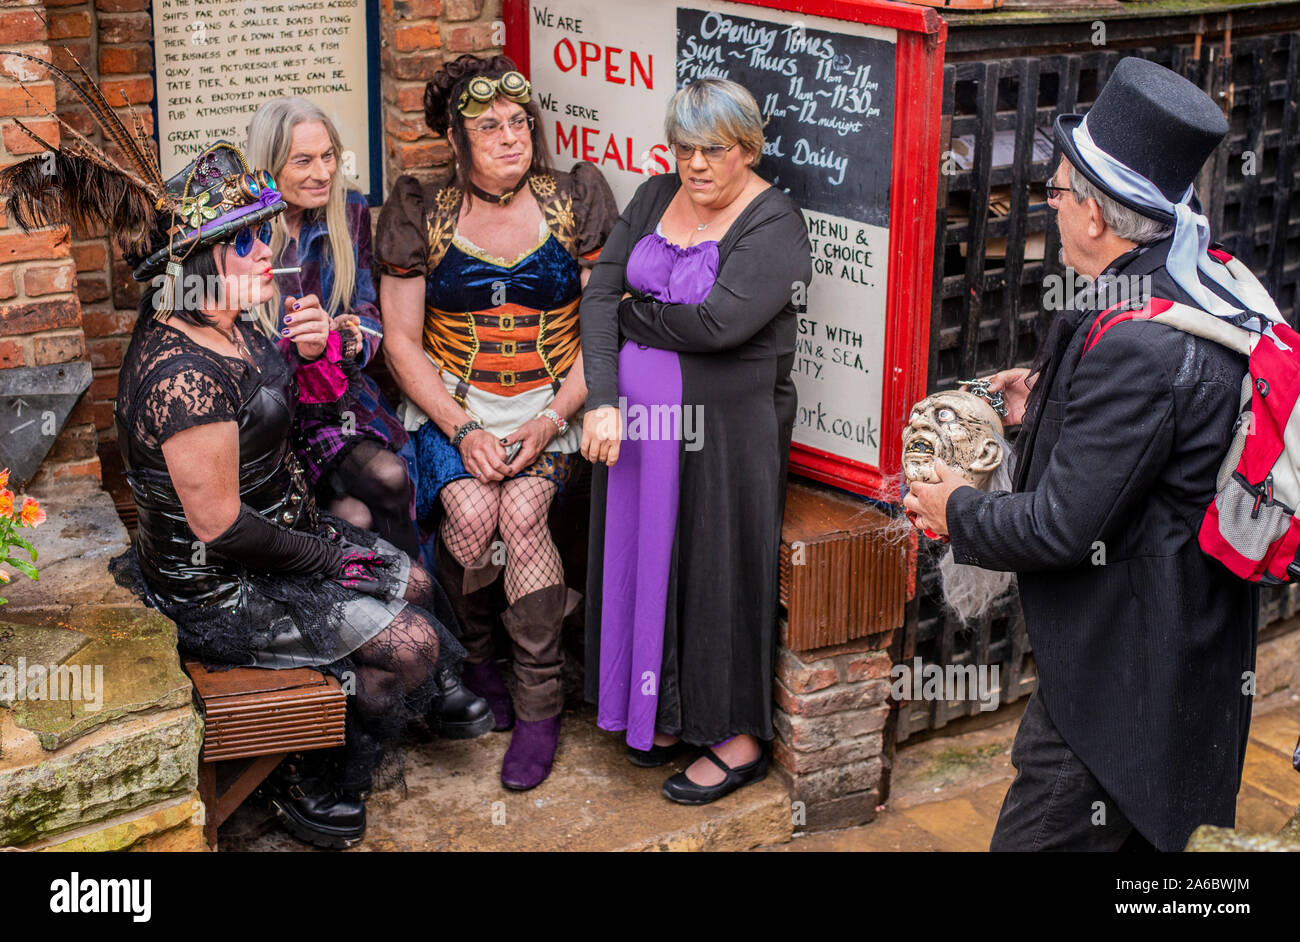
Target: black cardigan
[(738, 313)]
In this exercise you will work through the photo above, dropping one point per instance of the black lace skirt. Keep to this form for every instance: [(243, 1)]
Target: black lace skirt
[(285, 620)]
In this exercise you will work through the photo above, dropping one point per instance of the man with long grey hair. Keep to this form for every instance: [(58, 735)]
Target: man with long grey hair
[(354, 450)]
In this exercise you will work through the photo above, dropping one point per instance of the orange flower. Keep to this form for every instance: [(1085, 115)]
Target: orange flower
[(4, 478), (6, 502), (31, 514), (4, 577)]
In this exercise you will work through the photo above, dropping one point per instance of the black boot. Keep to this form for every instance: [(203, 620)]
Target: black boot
[(303, 793), (462, 714)]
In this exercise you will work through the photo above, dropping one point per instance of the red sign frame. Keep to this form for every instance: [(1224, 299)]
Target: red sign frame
[(918, 97)]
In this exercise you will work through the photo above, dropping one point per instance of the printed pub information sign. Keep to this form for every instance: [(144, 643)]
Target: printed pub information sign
[(217, 61), (850, 92)]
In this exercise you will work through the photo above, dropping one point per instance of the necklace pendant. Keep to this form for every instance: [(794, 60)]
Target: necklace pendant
[(701, 227)]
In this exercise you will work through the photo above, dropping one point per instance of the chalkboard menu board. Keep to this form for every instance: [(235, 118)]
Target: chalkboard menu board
[(828, 99)]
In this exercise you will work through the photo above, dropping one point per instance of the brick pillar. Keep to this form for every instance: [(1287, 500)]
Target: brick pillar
[(832, 708), (40, 315), (416, 37)]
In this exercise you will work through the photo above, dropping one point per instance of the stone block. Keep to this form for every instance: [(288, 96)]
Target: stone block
[(116, 769), (836, 782), (169, 826)]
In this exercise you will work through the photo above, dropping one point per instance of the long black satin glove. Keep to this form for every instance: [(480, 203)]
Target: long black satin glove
[(262, 545)]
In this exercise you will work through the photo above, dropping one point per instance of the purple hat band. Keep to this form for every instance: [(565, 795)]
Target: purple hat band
[(268, 197)]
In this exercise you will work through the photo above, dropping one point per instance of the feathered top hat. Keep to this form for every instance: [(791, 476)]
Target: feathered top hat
[(214, 197), (156, 222)]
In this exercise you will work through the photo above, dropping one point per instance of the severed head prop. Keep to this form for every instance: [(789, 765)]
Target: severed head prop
[(959, 427), (965, 431)]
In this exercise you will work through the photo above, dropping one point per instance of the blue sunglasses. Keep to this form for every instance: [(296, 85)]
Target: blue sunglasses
[(244, 238)]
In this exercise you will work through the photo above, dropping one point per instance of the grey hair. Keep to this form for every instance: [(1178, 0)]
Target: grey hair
[(1124, 222), (715, 111)]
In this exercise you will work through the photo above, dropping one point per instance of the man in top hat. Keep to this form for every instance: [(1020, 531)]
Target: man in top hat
[(1144, 645)]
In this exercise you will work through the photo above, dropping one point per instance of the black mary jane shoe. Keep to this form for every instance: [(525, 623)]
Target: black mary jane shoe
[(311, 808), (462, 714), (656, 756), (682, 790)]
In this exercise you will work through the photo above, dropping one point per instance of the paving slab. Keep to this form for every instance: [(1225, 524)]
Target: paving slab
[(127, 664), (594, 800)]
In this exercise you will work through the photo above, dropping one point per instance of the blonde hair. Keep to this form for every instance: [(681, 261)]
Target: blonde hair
[(715, 111), (270, 142)]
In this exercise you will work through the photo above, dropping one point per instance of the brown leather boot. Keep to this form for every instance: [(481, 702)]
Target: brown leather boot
[(477, 618), (534, 623)]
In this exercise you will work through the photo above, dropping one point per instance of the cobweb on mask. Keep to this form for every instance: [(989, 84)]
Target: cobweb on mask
[(971, 591)]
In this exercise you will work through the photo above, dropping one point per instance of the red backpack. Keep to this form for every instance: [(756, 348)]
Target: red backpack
[(1251, 526)]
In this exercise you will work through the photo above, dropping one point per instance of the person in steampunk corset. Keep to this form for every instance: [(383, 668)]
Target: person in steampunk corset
[(1137, 732)]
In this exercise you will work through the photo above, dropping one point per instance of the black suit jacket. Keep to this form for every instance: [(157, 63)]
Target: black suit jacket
[(1142, 643)]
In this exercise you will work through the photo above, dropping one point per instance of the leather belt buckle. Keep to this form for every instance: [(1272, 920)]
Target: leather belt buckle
[(508, 378), (507, 348), (507, 322)]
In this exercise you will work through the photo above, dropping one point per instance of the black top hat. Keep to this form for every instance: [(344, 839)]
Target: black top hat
[(1153, 121), (213, 197)]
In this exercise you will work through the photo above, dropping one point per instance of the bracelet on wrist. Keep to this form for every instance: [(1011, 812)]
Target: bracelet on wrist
[(462, 430), (560, 424)]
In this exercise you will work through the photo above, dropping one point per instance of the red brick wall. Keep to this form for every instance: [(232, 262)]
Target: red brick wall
[(417, 36), (40, 314), (62, 298), (112, 40)]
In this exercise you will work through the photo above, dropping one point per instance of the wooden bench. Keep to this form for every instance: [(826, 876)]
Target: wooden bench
[(253, 718)]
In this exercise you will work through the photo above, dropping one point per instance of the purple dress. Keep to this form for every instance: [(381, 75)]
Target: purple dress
[(641, 516)]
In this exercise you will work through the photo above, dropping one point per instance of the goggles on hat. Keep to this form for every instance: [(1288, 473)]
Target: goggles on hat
[(482, 91)]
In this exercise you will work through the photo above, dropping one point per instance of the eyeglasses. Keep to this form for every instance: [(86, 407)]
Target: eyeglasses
[(244, 238), (713, 153), (490, 129), (1055, 192)]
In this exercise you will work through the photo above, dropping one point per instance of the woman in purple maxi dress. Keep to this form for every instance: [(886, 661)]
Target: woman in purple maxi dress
[(694, 346)]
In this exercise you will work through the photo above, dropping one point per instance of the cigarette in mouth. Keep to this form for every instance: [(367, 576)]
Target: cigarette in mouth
[(283, 271)]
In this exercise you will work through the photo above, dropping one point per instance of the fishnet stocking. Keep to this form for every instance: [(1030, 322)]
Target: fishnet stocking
[(518, 508), (396, 675), (532, 560), (471, 518)]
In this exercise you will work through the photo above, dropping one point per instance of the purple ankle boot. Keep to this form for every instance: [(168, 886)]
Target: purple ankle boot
[(485, 681), (532, 749)]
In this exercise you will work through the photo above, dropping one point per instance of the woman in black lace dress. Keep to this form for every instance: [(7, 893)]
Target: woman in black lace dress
[(231, 545), (249, 569)]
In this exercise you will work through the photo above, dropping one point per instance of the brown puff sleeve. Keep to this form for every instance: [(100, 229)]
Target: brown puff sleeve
[(594, 209), (401, 238)]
